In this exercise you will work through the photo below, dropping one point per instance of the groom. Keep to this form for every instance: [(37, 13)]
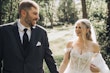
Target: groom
[(23, 44)]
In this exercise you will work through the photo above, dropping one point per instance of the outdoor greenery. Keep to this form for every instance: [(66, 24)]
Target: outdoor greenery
[(57, 14)]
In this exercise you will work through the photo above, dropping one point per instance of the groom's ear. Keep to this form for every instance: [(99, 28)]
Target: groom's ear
[(23, 13)]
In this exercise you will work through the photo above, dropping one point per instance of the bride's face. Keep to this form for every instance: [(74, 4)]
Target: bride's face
[(80, 29)]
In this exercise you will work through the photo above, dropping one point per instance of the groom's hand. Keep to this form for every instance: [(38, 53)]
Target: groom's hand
[(93, 68)]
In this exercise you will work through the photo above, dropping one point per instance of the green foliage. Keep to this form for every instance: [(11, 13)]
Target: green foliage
[(66, 11), (96, 9), (47, 10), (9, 10)]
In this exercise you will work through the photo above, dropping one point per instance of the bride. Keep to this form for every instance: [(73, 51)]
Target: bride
[(82, 55)]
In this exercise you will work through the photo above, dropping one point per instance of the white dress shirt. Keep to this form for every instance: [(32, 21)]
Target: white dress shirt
[(21, 31)]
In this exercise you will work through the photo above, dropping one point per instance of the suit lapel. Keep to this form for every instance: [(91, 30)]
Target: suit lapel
[(35, 37), (19, 50)]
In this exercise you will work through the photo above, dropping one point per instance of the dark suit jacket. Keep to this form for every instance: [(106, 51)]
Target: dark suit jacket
[(11, 51)]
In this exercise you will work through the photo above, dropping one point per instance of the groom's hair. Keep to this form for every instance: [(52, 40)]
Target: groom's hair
[(26, 5)]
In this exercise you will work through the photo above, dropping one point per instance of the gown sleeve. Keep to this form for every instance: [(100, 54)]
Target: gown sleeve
[(67, 49), (101, 64)]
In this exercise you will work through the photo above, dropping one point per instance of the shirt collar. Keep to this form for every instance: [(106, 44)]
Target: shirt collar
[(21, 27)]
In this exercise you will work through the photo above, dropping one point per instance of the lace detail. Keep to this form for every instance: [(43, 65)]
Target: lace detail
[(79, 63)]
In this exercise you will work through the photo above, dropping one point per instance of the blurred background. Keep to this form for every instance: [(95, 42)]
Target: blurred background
[(59, 16)]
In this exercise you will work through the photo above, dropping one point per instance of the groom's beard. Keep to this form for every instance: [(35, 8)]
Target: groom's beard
[(30, 21)]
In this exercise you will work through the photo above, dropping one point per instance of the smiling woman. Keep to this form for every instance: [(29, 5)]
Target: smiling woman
[(84, 28), (82, 54)]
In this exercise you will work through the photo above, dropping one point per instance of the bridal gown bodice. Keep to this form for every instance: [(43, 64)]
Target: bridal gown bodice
[(79, 63)]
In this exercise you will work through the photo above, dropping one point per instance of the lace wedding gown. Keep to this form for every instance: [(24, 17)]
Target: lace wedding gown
[(80, 63)]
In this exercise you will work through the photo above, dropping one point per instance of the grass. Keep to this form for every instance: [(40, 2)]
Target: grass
[(57, 46), (58, 60)]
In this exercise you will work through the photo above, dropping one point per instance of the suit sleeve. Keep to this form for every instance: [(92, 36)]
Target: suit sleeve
[(48, 56), (1, 49)]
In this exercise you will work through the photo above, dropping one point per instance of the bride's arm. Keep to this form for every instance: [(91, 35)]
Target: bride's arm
[(96, 50), (66, 57), (100, 63), (64, 63), (94, 69)]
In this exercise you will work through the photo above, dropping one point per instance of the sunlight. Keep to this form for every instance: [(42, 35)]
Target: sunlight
[(77, 1)]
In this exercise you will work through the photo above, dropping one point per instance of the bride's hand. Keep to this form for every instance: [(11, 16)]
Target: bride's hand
[(93, 68)]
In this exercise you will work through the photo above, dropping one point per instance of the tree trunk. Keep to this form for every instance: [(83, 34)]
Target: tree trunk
[(84, 10), (108, 19), (108, 27)]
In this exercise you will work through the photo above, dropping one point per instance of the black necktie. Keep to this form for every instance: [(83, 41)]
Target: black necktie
[(25, 42)]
